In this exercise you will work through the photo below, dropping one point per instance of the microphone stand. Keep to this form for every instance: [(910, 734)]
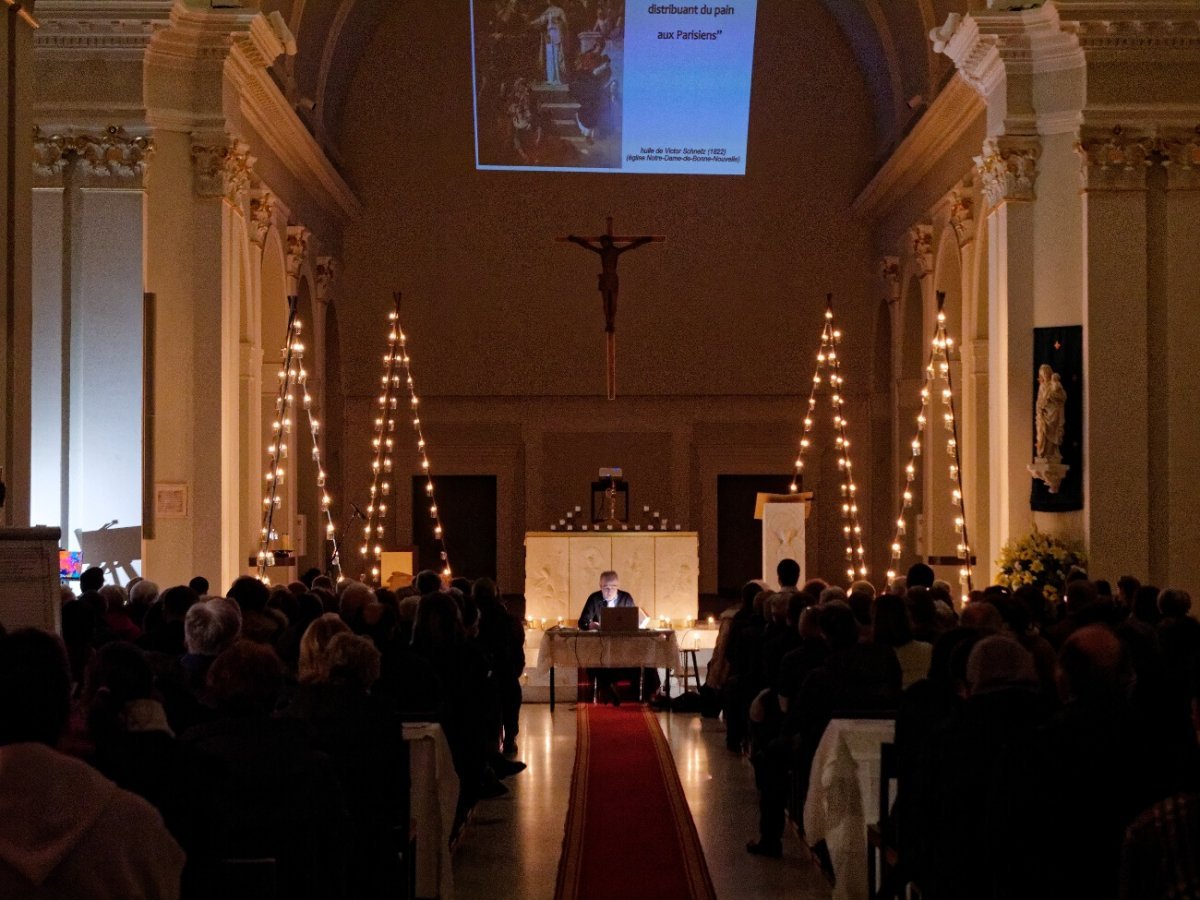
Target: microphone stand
[(341, 544)]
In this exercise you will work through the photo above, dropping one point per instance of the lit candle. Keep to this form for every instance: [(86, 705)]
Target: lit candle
[(711, 621), (543, 624)]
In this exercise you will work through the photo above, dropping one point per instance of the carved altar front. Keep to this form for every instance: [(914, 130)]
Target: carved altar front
[(660, 570)]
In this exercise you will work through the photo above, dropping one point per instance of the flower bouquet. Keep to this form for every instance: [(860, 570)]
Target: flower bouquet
[(1040, 560)]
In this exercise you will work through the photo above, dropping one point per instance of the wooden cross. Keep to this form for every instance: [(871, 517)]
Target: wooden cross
[(609, 247)]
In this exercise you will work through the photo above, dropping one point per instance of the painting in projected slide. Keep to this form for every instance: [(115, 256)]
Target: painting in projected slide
[(602, 86)]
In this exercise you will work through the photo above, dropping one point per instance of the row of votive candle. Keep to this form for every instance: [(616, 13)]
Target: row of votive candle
[(566, 527)]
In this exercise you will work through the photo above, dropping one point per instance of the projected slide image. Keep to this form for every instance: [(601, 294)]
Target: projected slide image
[(613, 85), (548, 81)]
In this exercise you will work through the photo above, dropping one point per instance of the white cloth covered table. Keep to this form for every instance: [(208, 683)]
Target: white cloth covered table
[(843, 796), (434, 798)]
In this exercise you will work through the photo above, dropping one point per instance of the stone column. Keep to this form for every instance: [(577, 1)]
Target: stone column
[(16, 66), (1116, 351), (1180, 331)]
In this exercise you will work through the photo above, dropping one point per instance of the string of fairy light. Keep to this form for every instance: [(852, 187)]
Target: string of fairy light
[(827, 356), (292, 375), (397, 372), (938, 368)]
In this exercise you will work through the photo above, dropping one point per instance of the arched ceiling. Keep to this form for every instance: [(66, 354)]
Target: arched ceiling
[(889, 39)]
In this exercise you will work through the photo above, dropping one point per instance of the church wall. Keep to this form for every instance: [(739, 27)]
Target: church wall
[(720, 324)]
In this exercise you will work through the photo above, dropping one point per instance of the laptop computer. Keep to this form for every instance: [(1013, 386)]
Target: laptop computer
[(619, 618)]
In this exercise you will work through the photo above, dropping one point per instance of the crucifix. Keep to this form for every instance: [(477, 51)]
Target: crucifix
[(609, 247)]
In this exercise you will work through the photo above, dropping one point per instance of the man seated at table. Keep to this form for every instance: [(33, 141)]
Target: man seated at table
[(610, 595)]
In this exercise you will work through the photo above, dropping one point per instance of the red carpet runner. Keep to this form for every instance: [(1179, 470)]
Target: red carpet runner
[(629, 831)]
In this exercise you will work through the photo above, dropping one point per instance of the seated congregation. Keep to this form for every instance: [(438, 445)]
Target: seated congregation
[(169, 738), (1040, 751), (178, 744)]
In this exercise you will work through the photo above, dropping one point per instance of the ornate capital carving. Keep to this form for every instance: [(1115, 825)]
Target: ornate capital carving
[(921, 237), (326, 273), (221, 166), (889, 271), (1115, 160), (1008, 169), (297, 251), (262, 211), (962, 215), (1181, 156), (100, 156)]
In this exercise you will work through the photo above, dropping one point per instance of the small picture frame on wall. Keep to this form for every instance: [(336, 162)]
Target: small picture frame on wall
[(171, 501)]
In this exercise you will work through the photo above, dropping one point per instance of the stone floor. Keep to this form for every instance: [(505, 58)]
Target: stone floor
[(511, 847)]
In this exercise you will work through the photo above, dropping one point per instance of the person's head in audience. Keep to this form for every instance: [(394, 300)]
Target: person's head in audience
[(322, 583), (865, 587), (310, 575), (115, 598), (861, 604), (941, 587), (314, 645), (999, 663), (1077, 573), (1103, 589), (920, 575), (329, 599), (142, 595), (983, 616), (810, 624), (750, 590), (787, 573), (91, 579), (951, 649), (839, 626), (761, 601), (1145, 604), (1127, 588), (353, 601), (832, 594), (891, 625), (199, 584), (35, 688), (117, 675), (379, 625), (176, 601), (210, 628), (246, 679), (65, 595), (250, 594), (796, 604), (1174, 603), (777, 607), (1093, 668), (461, 584), (813, 588), (1014, 611), (309, 608), (1080, 595), (899, 586), (298, 588), (282, 599), (1032, 600), (353, 661), (469, 611), (438, 625), (406, 617), (484, 593), (427, 582)]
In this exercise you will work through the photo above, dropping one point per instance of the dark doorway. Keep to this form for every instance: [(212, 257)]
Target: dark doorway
[(467, 505), (739, 534)]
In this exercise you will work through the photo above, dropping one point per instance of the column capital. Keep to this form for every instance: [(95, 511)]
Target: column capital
[(262, 214), (962, 214), (1181, 156), (111, 156), (1115, 159), (221, 166), (298, 238), (921, 240), (327, 270), (1008, 168)]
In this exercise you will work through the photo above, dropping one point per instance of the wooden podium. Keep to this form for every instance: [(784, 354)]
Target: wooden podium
[(783, 530), (659, 568)]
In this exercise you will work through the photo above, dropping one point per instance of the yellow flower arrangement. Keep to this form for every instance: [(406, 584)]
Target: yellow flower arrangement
[(1040, 560)]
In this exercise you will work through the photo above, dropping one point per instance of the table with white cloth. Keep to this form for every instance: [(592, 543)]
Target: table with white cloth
[(643, 649), (434, 799), (843, 796)]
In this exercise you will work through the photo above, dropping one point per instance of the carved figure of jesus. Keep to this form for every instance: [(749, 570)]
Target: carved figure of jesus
[(1050, 414), (609, 248)]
